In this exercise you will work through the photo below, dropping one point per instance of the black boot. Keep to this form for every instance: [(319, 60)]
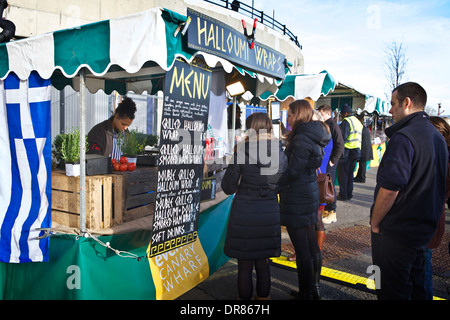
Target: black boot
[(317, 269)]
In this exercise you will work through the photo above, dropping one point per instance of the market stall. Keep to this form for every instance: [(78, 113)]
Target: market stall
[(303, 86), (318, 87), (91, 57)]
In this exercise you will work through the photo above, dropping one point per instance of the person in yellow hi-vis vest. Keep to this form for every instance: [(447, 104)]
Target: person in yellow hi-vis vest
[(351, 129)]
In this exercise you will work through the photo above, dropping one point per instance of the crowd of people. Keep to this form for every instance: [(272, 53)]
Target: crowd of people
[(406, 215)]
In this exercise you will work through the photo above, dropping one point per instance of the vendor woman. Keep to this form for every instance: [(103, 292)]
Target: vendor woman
[(103, 137)]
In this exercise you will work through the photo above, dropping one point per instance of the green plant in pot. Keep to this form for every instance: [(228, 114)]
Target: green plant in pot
[(131, 145), (70, 152), (148, 139)]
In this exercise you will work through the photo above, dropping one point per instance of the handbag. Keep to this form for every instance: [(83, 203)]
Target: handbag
[(326, 190)]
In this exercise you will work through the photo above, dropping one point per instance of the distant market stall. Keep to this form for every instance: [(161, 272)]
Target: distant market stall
[(322, 88), (182, 56), (374, 110), (303, 86)]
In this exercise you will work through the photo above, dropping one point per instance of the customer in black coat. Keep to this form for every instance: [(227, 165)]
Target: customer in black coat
[(254, 231), (299, 201), (366, 152)]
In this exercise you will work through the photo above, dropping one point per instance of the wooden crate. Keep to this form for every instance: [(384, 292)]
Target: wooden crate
[(135, 193), (99, 201), (111, 199)]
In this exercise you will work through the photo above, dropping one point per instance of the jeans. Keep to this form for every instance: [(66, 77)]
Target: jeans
[(402, 269), (428, 274)]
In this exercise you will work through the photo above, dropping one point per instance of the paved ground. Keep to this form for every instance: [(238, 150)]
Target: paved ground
[(346, 250)]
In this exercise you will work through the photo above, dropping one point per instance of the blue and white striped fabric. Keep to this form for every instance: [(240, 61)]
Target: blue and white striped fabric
[(25, 168), (116, 153)]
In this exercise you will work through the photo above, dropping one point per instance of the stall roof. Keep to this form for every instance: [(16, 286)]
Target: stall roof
[(303, 86), (316, 85), (372, 105), (376, 105), (151, 49)]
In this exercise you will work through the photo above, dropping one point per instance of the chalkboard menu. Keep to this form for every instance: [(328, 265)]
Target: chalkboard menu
[(181, 157)]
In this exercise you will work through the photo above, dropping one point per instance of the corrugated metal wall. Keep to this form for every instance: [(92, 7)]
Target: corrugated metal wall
[(99, 107)]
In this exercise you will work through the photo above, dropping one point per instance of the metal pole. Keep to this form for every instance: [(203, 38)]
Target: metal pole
[(273, 19), (373, 127), (233, 126), (62, 111), (82, 150), (253, 7)]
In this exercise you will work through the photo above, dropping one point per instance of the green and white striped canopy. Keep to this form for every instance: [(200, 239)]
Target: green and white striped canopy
[(303, 86), (130, 53), (376, 105)]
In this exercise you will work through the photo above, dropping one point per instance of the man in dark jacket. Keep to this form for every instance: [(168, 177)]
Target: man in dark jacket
[(366, 152), (103, 137), (329, 213), (409, 196)]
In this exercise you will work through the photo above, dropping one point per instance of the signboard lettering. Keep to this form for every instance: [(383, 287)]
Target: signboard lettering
[(181, 156), (214, 37)]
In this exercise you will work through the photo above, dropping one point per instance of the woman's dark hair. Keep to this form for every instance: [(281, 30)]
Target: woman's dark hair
[(126, 108), (259, 121), (325, 107), (302, 112), (443, 127)]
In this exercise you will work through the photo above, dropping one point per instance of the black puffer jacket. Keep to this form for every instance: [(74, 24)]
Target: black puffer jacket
[(254, 230), (299, 201)]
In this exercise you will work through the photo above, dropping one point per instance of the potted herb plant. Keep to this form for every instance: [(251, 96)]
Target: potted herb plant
[(131, 145), (148, 139), (70, 152)]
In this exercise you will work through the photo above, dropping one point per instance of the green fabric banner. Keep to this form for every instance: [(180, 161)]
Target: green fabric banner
[(176, 46), (81, 268), (4, 61), (88, 44)]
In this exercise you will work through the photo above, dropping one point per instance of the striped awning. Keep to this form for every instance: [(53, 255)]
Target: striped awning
[(303, 86), (151, 49), (376, 105)]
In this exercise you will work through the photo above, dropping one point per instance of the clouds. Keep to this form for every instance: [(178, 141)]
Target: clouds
[(348, 39)]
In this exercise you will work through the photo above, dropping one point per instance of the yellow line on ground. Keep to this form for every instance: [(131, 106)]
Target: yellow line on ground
[(336, 275)]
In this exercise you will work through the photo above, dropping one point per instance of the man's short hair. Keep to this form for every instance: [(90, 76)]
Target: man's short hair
[(325, 108), (414, 91), (126, 108)]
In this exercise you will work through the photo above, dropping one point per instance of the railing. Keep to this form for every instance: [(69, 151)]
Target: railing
[(255, 13)]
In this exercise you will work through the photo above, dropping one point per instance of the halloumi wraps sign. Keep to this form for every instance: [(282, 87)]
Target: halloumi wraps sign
[(215, 37)]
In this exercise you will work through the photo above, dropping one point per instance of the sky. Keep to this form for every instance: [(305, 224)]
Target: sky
[(349, 40)]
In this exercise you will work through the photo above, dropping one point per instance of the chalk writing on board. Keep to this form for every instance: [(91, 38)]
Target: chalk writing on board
[(181, 157)]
